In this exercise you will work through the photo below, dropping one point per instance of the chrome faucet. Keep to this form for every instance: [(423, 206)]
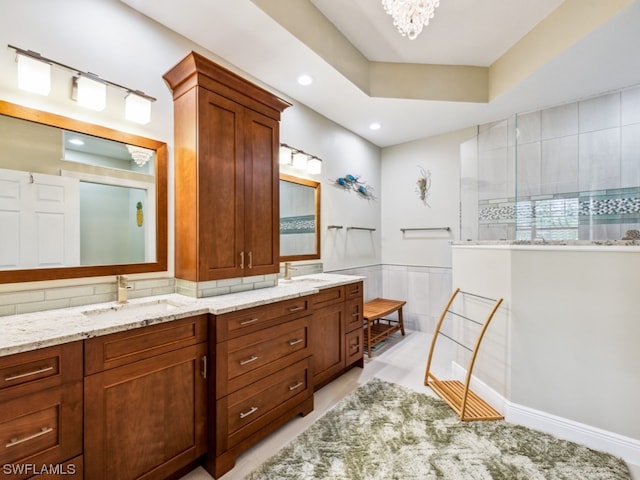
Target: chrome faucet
[(123, 285), (287, 270)]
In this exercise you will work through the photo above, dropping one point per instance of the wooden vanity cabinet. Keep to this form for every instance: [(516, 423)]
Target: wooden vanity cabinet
[(263, 376), (354, 338), (226, 173), (336, 331), (145, 400), (41, 413)]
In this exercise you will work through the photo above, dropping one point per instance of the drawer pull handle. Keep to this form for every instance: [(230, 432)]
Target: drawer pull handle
[(28, 374), (355, 348), (204, 366), (295, 342), (251, 411), (296, 309), (249, 322), (252, 358), (355, 315), (16, 441), (297, 385)]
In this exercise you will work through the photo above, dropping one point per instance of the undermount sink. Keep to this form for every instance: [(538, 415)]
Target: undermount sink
[(132, 309)]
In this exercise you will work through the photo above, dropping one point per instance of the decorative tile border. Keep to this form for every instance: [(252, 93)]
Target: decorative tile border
[(299, 224)]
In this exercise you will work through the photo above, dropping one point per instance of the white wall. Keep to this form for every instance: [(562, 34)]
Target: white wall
[(342, 153), (402, 207), (565, 340)]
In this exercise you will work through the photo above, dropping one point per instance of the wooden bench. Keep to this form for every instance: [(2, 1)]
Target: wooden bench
[(377, 328)]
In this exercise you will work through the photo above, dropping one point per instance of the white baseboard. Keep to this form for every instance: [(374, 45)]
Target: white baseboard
[(598, 439)]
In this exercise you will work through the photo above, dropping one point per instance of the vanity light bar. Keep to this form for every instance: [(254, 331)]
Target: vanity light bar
[(300, 159), (85, 75)]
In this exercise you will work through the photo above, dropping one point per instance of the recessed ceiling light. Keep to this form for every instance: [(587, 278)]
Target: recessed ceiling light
[(76, 141), (305, 80), (375, 126)]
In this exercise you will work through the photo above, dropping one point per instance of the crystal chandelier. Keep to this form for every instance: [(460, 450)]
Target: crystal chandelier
[(140, 155), (410, 16)]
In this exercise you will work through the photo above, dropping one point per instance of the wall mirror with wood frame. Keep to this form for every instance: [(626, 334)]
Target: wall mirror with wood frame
[(77, 199), (299, 219)]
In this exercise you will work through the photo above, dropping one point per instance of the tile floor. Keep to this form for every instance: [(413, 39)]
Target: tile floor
[(401, 361)]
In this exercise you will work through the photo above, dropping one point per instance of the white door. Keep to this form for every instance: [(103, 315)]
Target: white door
[(39, 220)]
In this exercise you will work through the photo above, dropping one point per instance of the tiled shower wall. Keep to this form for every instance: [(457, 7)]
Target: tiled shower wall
[(570, 172), (425, 289)]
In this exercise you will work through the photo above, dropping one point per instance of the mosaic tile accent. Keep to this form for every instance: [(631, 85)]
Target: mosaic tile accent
[(298, 224), (609, 206), (595, 205)]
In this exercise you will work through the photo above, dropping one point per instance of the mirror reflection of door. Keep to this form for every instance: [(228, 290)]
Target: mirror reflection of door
[(299, 218), (32, 203)]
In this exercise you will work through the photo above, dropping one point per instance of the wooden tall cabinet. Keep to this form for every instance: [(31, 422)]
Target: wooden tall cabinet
[(226, 173)]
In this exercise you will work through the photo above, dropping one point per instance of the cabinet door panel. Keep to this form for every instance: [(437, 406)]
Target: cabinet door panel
[(327, 330), (147, 419), (221, 187), (262, 204)]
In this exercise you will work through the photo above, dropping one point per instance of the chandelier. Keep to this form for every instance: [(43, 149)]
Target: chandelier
[(140, 155), (410, 16)]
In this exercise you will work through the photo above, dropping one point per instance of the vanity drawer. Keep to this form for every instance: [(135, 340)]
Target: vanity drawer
[(354, 346), (246, 359), (354, 290), (250, 409), (117, 349), (328, 296), (353, 315), (28, 372), (234, 324), (41, 428)]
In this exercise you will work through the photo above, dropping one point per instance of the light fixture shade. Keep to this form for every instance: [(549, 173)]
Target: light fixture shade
[(33, 75), (91, 93), (300, 161), (137, 109), (284, 157), (314, 166)]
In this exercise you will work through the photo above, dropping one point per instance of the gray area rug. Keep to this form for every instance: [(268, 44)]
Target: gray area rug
[(385, 431)]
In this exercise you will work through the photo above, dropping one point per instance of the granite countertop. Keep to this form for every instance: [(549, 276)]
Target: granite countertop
[(30, 331)]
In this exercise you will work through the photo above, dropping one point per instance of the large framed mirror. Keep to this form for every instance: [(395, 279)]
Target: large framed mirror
[(299, 219), (77, 199)]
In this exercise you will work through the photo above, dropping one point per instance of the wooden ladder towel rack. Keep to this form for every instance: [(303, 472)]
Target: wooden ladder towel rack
[(467, 404)]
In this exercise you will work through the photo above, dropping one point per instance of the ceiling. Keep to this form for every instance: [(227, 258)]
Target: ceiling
[(337, 41)]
